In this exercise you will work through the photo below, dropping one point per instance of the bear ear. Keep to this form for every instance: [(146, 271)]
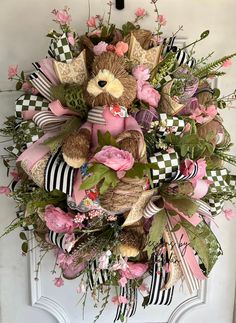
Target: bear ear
[(74, 72), (138, 55)]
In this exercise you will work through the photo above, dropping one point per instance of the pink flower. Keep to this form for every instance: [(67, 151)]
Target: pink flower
[(34, 91), (71, 39), (147, 93), (201, 163), (141, 73), (111, 48), (100, 48), (134, 270), (187, 127), (201, 187), (119, 300), (157, 40), (62, 16), (5, 190), (115, 158), (58, 282), (227, 63), (144, 288), (96, 32), (57, 220), (15, 175), (122, 281), (203, 114), (161, 19), (104, 260), (64, 260), (187, 167), (12, 71), (121, 48), (140, 12), (28, 88), (229, 214), (91, 22)]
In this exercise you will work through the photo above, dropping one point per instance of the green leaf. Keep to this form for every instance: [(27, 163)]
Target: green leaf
[(127, 28), (23, 236), (106, 139), (204, 242), (183, 205), (22, 75), (18, 85), (156, 231), (205, 34), (140, 169), (176, 227), (110, 179), (25, 247)]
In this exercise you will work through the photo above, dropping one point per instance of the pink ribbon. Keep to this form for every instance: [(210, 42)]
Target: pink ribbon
[(57, 108)]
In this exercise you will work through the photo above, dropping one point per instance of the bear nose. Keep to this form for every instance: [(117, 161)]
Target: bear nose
[(102, 83)]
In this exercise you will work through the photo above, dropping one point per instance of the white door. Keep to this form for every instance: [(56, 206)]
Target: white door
[(23, 25)]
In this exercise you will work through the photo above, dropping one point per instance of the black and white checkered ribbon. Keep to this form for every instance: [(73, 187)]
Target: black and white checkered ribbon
[(169, 124), (167, 166), (58, 175), (158, 295), (129, 309), (48, 121), (60, 49), (30, 102), (219, 177), (182, 57), (60, 240)]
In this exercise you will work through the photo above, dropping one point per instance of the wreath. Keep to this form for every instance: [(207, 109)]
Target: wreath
[(117, 159)]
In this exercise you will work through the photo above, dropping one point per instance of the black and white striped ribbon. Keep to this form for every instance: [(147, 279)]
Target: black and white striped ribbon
[(150, 209), (180, 177), (129, 309), (59, 175), (95, 115), (96, 276), (60, 240), (42, 84), (158, 295), (21, 215), (182, 57), (48, 121)]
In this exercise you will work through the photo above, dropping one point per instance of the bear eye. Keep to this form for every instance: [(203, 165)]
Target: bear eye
[(102, 83)]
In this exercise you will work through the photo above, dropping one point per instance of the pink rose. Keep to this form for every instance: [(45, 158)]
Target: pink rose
[(100, 48), (91, 22), (147, 93), (201, 187), (58, 221), (204, 114), (114, 158), (121, 48), (71, 39), (5, 190), (119, 300), (58, 282), (187, 167), (229, 214), (141, 73), (12, 71), (161, 19), (140, 12), (62, 16), (134, 270), (227, 63)]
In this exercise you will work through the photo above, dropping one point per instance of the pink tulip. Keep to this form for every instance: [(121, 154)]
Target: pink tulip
[(62, 16), (161, 19), (71, 39), (91, 22), (201, 187), (12, 71), (140, 12)]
